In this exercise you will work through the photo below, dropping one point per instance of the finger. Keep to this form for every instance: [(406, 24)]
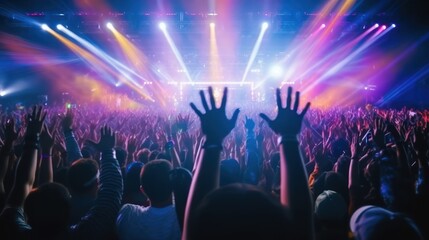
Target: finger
[(43, 116), (289, 97), (296, 104), (278, 99), (39, 113), (196, 110), (33, 114), (224, 98), (266, 118), (204, 101), (235, 116), (304, 111), (211, 97)]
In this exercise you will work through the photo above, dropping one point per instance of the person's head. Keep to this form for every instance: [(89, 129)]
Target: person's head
[(330, 211), (132, 178), (371, 223), (121, 156), (342, 166), (153, 155), (82, 177), (143, 155), (48, 210), (240, 210), (155, 181)]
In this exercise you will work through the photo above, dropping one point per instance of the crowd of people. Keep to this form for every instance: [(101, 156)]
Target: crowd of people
[(278, 172)]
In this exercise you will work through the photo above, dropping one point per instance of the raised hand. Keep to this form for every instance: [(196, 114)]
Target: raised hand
[(249, 124), (67, 121), (107, 139), (214, 123), (47, 140), (10, 133), (288, 121), (35, 122), (380, 129), (355, 148), (131, 144)]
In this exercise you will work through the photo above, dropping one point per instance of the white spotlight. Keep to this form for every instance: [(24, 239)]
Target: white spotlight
[(212, 25), (376, 25), (162, 26), (393, 25), (323, 26), (109, 26), (60, 27), (276, 71), (44, 27), (264, 25)]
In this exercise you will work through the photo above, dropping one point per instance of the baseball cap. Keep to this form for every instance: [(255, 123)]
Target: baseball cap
[(372, 222)]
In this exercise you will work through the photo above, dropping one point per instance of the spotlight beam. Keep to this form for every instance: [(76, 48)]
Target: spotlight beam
[(124, 70), (176, 53), (380, 32), (255, 51), (91, 59)]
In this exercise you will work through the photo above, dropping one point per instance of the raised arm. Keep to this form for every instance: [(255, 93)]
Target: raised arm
[(27, 165), (294, 190), (47, 141), (10, 136), (100, 221), (215, 126), (72, 147)]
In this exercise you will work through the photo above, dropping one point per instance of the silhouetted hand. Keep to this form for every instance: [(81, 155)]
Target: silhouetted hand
[(10, 133), (35, 124), (355, 148), (47, 140), (67, 121), (249, 124), (288, 121), (214, 123), (380, 129), (107, 139)]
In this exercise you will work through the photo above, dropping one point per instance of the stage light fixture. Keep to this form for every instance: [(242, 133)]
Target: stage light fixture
[(376, 25), (162, 26), (264, 25), (44, 26), (212, 24), (60, 27), (393, 25), (276, 71), (383, 27), (109, 26), (323, 25), (2, 93)]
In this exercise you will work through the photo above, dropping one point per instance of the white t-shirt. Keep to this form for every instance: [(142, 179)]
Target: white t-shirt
[(147, 223)]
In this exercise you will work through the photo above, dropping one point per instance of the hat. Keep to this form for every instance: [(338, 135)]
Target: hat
[(371, 222), (330, 206)]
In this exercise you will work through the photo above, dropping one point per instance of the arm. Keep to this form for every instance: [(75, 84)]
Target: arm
[(171, 150), (294, 190), (354, 185), (47, 143), (10, 136), (72, 147), (100, 221), (421, 145), (26, 168), (215, 126)]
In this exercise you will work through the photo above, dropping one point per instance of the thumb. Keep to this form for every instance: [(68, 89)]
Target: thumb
[(265, 117), (235, 116)]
